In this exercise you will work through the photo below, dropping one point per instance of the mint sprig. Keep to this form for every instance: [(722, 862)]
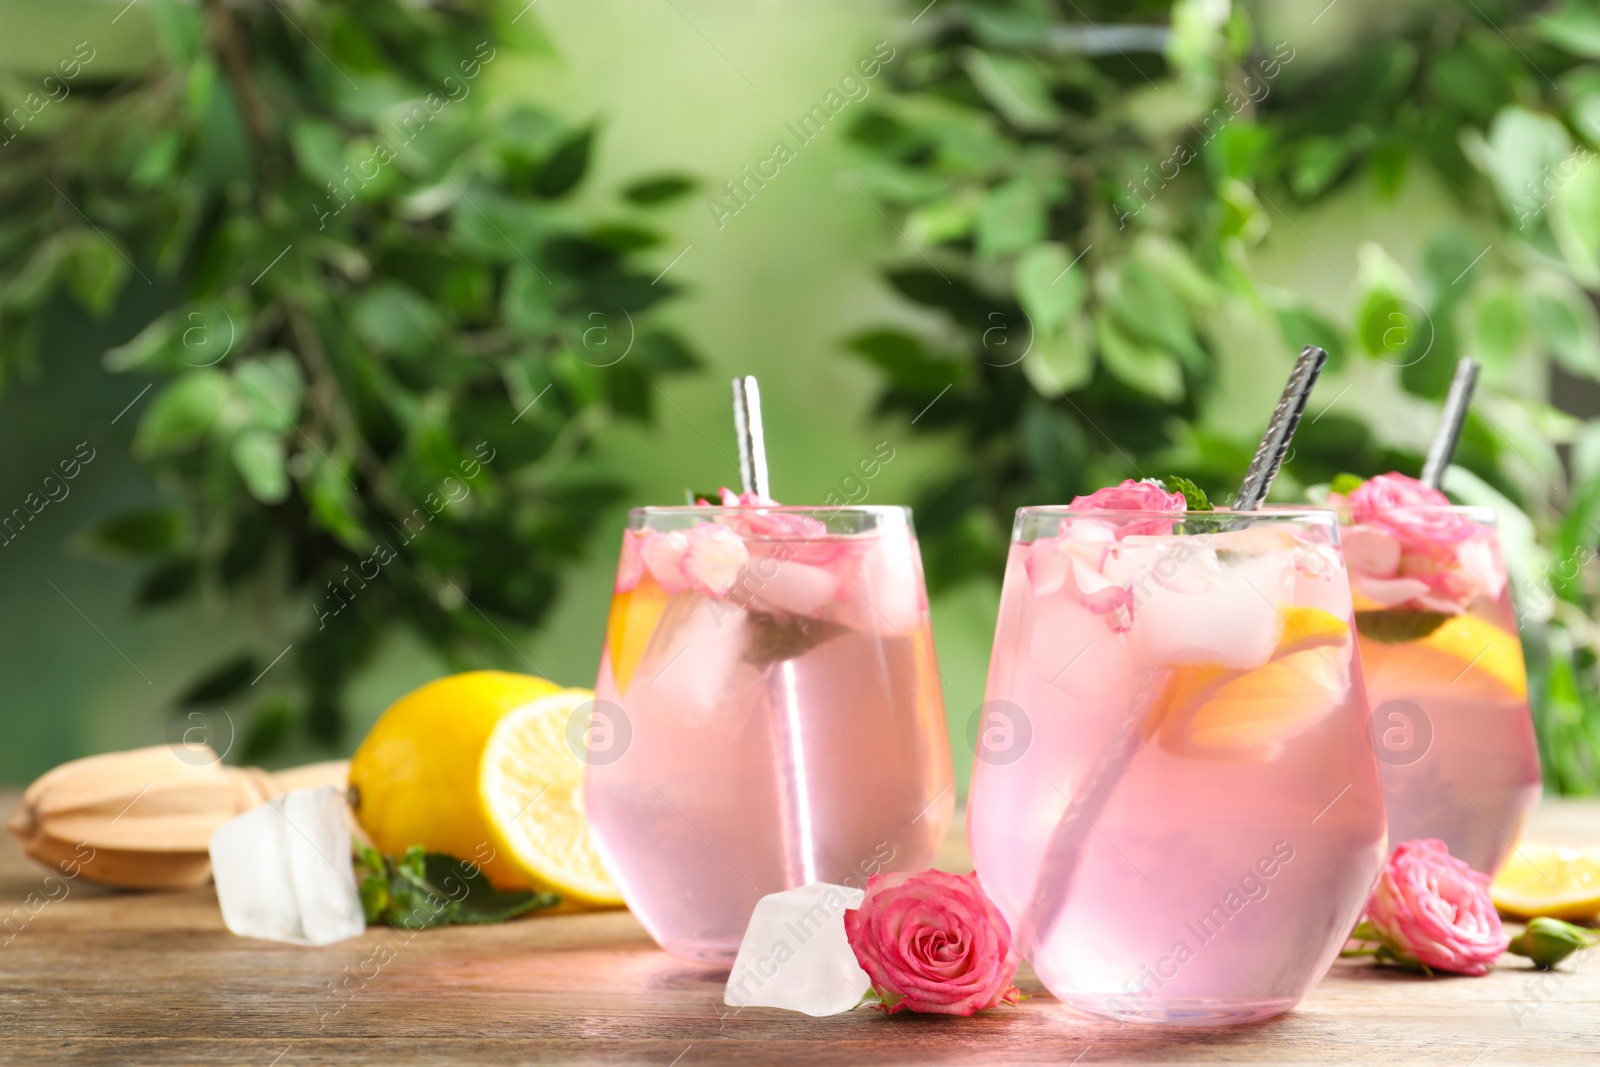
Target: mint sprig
[(1194, 498), (1345, 484), (426, 889)]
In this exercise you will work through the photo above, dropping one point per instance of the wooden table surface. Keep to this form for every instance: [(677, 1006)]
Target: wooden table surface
[(117, 978)]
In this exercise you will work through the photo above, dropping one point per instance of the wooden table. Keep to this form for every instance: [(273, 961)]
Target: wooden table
[(116, 978)]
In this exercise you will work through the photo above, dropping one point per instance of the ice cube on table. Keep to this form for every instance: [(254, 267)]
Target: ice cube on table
[(795, 954), (283, 870)]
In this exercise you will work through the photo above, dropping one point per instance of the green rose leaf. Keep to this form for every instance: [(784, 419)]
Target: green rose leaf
[(421, 890), (1398, 625)]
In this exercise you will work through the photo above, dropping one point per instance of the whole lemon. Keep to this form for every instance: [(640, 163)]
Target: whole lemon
[(414, 780)]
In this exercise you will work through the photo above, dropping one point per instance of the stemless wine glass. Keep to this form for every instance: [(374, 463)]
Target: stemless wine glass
[(767, 715), (1450, 722), (1173, 801)]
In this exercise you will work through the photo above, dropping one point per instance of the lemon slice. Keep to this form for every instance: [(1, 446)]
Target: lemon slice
[(1305, 628), (530, 785), (1481, 647), (1540, 879), (633, 620)]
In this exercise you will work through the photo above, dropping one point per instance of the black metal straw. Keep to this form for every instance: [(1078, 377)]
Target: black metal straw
[(1448, 435), (1280, 431)]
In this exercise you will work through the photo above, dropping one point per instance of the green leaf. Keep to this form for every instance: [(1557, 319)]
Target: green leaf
[(149, 346), (422, 890), (183, 413), (1062, 362), (96, 268), (221, 682), (1049, 286), (563, 170), (1500, 325), (1194, 498), (258, 456), (907, 362), (1136, 364), (271, 389), (1574, 27), (1015, 88), (1011, 217), (1566, 321), (774, 638), (1345, 484), (658, 189), (393, 318), (1397, 625), (1146, 309), (136, 534)]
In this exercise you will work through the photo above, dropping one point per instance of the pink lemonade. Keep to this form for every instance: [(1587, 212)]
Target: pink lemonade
[(1450, 722), (1173, 801), (773, 671)]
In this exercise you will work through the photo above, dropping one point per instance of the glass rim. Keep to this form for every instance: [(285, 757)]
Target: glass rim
[(770, 509), (1281, 513), (1477, 512)]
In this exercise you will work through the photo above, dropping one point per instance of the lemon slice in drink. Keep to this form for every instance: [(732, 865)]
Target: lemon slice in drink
[(530, 785), (1481, 648), (1540, 879)]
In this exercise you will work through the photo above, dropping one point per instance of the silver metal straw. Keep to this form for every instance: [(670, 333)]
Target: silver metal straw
[(752, 443), (1448, 435), (1280, 431)]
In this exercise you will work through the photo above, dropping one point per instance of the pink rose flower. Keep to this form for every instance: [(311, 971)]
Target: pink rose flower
[(1407, 548), (1417, 516), (1134, 496), (779, 524), (933, 942), (1433, 908)]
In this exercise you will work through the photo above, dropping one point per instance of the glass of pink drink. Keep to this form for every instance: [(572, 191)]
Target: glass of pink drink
[(1173, 801), (1450, 721), (773, 671)]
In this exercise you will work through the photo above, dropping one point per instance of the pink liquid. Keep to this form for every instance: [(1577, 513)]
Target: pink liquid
[(1455, 739), (1168, 852), (792, 732)]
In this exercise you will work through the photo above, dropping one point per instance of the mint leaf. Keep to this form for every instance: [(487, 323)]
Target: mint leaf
[(425, 889), (692, 496), (1194, 498), (1398, 625), (775, 638), (1345, 484)]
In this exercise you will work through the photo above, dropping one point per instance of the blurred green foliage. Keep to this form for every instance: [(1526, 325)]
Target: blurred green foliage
[(395, 337), (1085, 184)]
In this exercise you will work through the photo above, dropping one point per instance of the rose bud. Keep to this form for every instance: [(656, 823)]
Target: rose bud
[(1549, 941)]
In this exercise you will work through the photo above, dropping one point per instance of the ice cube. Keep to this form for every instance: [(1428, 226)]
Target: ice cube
[(283, 870), (1074, 649), (695, 663), (1230, 620), (795, 954)]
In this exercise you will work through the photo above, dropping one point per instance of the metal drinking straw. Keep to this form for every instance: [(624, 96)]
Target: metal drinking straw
[(752, 443), (1448, 435), (1280, 431), (796, 831)]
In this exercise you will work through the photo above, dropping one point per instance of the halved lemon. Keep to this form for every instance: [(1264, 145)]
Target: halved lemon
[(530, 785), (1541, 879)]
